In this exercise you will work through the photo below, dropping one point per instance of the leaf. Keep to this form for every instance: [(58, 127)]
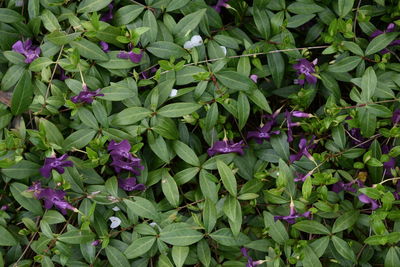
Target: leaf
[(298, 20), (344, 7), (345, 64), (40, 63), (380, 42), (53, 134), (281, 146), (166, 50), (225, 237), (89, 50), (311, 227), (12, 76), (116, 258), (243, 107), (139, 247), (50, 21), (277, 67), (310, 259), (92, 5), (392, 258), (227, 177), (343, 248), (6, 238), (79, 139), (233, 211), (33, 205), (368, 84), (23, 169), (116, 63), (53, 217), (189, 22), (261, 19), (170, 189), (127, 14), (204, 252), (60, 38), (234, 80), (259, 99), (179, 255), (345, 221), (76, 237), (339, 136), (143, 208), (87, 117), (180, 234), (367, 122), (186, 153), (130, 116), (209, 215), (22, 95), (10, 16), (177, 110), (353, 47), (304, 8)]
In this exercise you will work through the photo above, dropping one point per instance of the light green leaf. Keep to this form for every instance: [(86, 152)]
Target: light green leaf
[(179, 255), (170, 189), (368, 84), (234, 80), (189, 22), (22, 95), (380, 42), (345, 64), (92, 5), (166, 50), (186, 153), (345, 221), (89, 50), (180, 234), (6, 238), (177, 110), (21, 170), (139, 247), (130, 116), (116, 258), (143, 208), (227, 177), (311, 227)]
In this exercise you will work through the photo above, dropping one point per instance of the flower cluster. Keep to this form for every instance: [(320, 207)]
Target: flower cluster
[(86, 96), (26, 48)]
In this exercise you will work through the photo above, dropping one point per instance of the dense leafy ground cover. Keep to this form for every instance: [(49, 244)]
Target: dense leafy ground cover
[(179, 132)]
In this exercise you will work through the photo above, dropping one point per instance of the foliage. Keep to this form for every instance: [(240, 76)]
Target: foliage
[(199, 133)]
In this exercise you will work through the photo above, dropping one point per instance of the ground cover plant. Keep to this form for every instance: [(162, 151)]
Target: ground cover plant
[(199, 133)]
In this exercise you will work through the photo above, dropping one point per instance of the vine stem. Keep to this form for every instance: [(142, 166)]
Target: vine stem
[(391, 179)]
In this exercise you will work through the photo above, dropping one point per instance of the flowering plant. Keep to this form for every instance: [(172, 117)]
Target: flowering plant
[(199, 133)]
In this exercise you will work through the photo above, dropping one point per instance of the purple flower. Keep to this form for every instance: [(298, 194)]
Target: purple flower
[(51, 197), (122, 158), (388, 165), (356, 138), (301, 114), (62, 76), (291, 218), (250, 261), (55, 163), (390, 28), (109, 15), (104, 46), (367, 200), (305, 70), (396, 116), (129, 184), (302, 177), (220, 3), (265, 131), (303, 150), (86, 96), (341, 186), (146, 74), (27, 49), (290, 124), (134, 57), (254, 78), (224, 147), (4, 207), (95, 243)]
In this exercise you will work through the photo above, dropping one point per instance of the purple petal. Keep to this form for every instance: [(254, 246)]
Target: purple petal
[(18, 47), (123, 54)]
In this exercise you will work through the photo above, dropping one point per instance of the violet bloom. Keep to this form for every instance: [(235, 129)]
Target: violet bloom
[(265, 133), (341, 186), (254, 78), (305, 70), (146, 74), (95, 243), (27, 49), (4, 207), (62, 76), (301, 177), (357, 139), (109, 15), (122, 158), (304, 146), (86, 96), (250, 261), (104, 46), (130, 184), (291, 218), (220, 3), (367, 200), (226, 146), (55, 163), (290, 124), (134, 57), (390, 28), (396, 117), (388, 165)]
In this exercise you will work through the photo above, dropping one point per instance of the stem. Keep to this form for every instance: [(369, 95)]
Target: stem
[(391, 179)]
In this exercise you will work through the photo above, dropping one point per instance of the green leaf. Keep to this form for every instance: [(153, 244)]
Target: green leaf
[(179, 255), (50, 21), (304, 8), (339, 136), (310, 259), (281, 146), (6, 238), (23, 169), (343, 248), (170, 189), (367, 122), (139, 247), (345, 221), (89, 50), (380, 42), (298, 20), (233, 211), (345, 64), (92, 5), (276, 229), (14, 57), (277, 67), (76, 237), (392, 258), (53, 217), (78, 139), (60, 38), (186, 153), (344, 7), (212, 116), (40, 63), (311, 227), (10, 16), (204, 252), (243, 107), (368, 84), (130, 116), (177, 110), (174, 5), (261, 19), (143, 208), (166, 50), (87, 117), (33, 205), (227, 177), (189, 22), (53, 134), (159, 147), (180, 234), (353, 47), (209, 215), (234, 80), (116, 63), (166, 127), (127, 14), (116, 257), (225, 237), (12, 76), (22, 95), (259, 99)]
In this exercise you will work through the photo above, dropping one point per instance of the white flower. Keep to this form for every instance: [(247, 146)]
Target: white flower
[(153, 224), (173, 93), (196, 40), (188, 45), (223, 49), (116, 208), (115, 222)]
